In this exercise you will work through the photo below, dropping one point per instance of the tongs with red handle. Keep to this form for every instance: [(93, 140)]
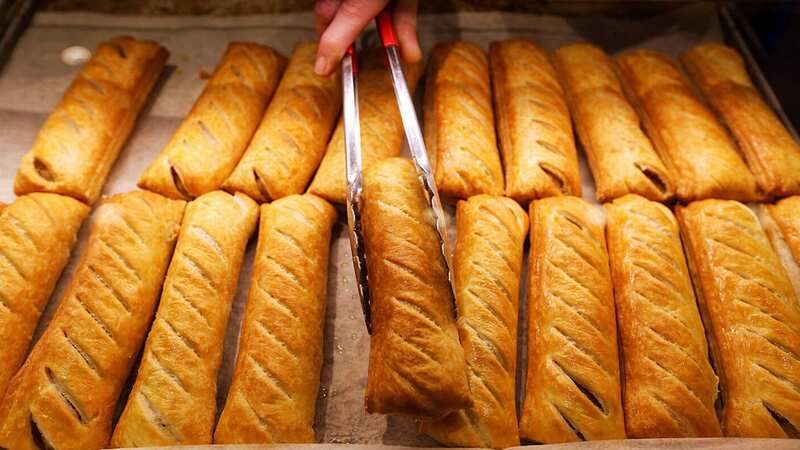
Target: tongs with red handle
[(416, 144)]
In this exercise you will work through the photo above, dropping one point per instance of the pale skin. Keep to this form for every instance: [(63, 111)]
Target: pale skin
[(339, 22)]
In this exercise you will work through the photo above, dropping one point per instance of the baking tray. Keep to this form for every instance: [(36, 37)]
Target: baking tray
[(14, 17), (35, 79)]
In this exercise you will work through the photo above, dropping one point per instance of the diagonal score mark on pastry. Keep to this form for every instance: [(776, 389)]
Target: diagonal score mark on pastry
[(71, 381), (37, 232), (702, 159), (459, 123), (212, 138), (620, 155), (572, 391), (669, 385), (416, 362), (533, 123), (290, 141), (275, 383), (491, 230), (781, 221), (80, 141), (173, 400), (752, 316), (771, 152), (382, 133)]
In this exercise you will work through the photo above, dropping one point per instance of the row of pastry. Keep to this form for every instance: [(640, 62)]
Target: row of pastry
[(500, 124), (158, 276), (624, 338)]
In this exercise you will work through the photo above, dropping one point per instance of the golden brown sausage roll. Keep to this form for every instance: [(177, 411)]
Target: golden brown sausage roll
[(416, 363), (459, 123), (289, 143), (211, 139), (669, 385), (80, 141), (174, 398), (382, 134), (275, 384), (781, 221), (37, 232), (702, 158), (533, 123), (64, 395), (771, 152), (487, 267), (751, 314), (572, 390), (621, 157)]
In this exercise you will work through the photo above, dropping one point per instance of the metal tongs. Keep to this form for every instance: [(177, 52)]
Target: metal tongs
[(352, 143)]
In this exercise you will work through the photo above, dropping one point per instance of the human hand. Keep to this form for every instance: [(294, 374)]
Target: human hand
[(339, 23)]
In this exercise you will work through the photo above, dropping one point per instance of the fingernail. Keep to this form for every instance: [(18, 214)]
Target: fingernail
[(321, 65)]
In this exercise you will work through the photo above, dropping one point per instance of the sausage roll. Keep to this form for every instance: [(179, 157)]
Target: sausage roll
[(781, 221), (174, 398), (211, 139), (382, 134), (459, 123), (80, 141), (37, 232), (702, 158), (275, 384), (669, 384), (572, 391), (533, 123), (771, 152), (64, 395), (487, 267), (621, 157), (416, 363), (751, 314), (289, 143)]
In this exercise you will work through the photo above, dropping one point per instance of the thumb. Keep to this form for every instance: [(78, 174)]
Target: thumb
[(351, 17), (405, 24)]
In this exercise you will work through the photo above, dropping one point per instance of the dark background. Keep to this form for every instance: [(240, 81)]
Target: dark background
[(776, 26)]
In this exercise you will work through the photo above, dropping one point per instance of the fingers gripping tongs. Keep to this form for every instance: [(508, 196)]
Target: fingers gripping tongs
[(352, 142)]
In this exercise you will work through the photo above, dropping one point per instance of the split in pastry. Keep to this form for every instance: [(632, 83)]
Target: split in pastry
[(37, 232), (620, 155), (702, 158), (416, 362), (752, 317), (487, 268), (80, 141), (669, 386), (64, 395), (771, 152), (289, 144), (382, 134), (174, 398), (459, 122), (275, 383), (572, 391), (781, 221), (533, 123), (212, 138)]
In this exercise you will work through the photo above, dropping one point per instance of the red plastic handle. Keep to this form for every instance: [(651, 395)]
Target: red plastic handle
[(352, 52), (386, 28)]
